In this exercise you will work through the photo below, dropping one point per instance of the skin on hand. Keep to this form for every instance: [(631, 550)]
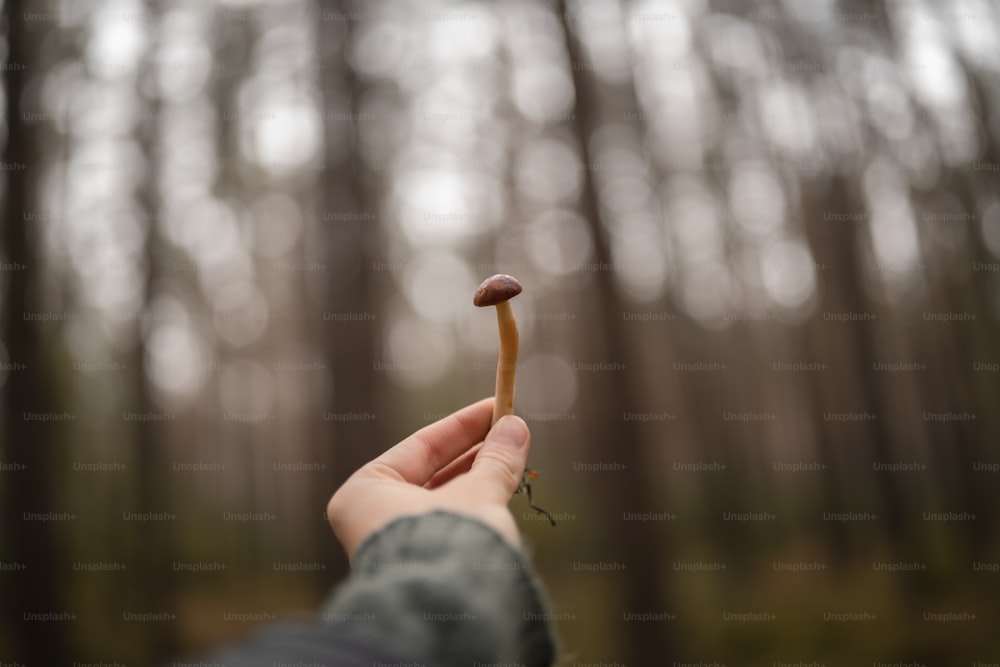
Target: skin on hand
[(457, 464)]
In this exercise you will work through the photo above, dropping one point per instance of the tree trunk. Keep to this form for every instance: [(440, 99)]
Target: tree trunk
[(613, 394), (152, 575), (354, 431), (30, 447)]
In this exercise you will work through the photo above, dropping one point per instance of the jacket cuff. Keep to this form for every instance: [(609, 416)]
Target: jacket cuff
[(445, 589)]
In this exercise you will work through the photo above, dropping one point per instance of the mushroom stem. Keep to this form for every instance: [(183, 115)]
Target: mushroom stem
[(503, 401)]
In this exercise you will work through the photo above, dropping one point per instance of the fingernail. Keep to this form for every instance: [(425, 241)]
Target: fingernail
[(511, 431)]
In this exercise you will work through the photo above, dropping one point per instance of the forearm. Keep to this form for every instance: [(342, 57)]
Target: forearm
[(443, 589)]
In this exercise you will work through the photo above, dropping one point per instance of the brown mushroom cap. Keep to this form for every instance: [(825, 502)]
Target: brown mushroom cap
[(496, 289)]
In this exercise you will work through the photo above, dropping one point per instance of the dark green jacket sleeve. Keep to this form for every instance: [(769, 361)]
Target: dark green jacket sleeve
[(434, 590), (443, 589)]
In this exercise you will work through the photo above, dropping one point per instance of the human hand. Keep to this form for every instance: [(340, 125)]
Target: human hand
[(457, 464)]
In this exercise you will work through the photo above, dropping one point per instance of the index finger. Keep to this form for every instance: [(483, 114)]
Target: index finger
[(418, 457)]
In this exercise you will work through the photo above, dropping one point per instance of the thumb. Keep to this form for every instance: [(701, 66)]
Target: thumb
[(500, 463)]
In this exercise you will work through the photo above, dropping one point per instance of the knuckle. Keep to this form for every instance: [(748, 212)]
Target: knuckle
[(501, 461)]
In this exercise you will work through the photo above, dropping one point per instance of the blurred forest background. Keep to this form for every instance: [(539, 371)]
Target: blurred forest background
[(759, 244)]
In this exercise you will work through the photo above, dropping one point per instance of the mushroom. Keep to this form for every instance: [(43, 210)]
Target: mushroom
[(497, 291)]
